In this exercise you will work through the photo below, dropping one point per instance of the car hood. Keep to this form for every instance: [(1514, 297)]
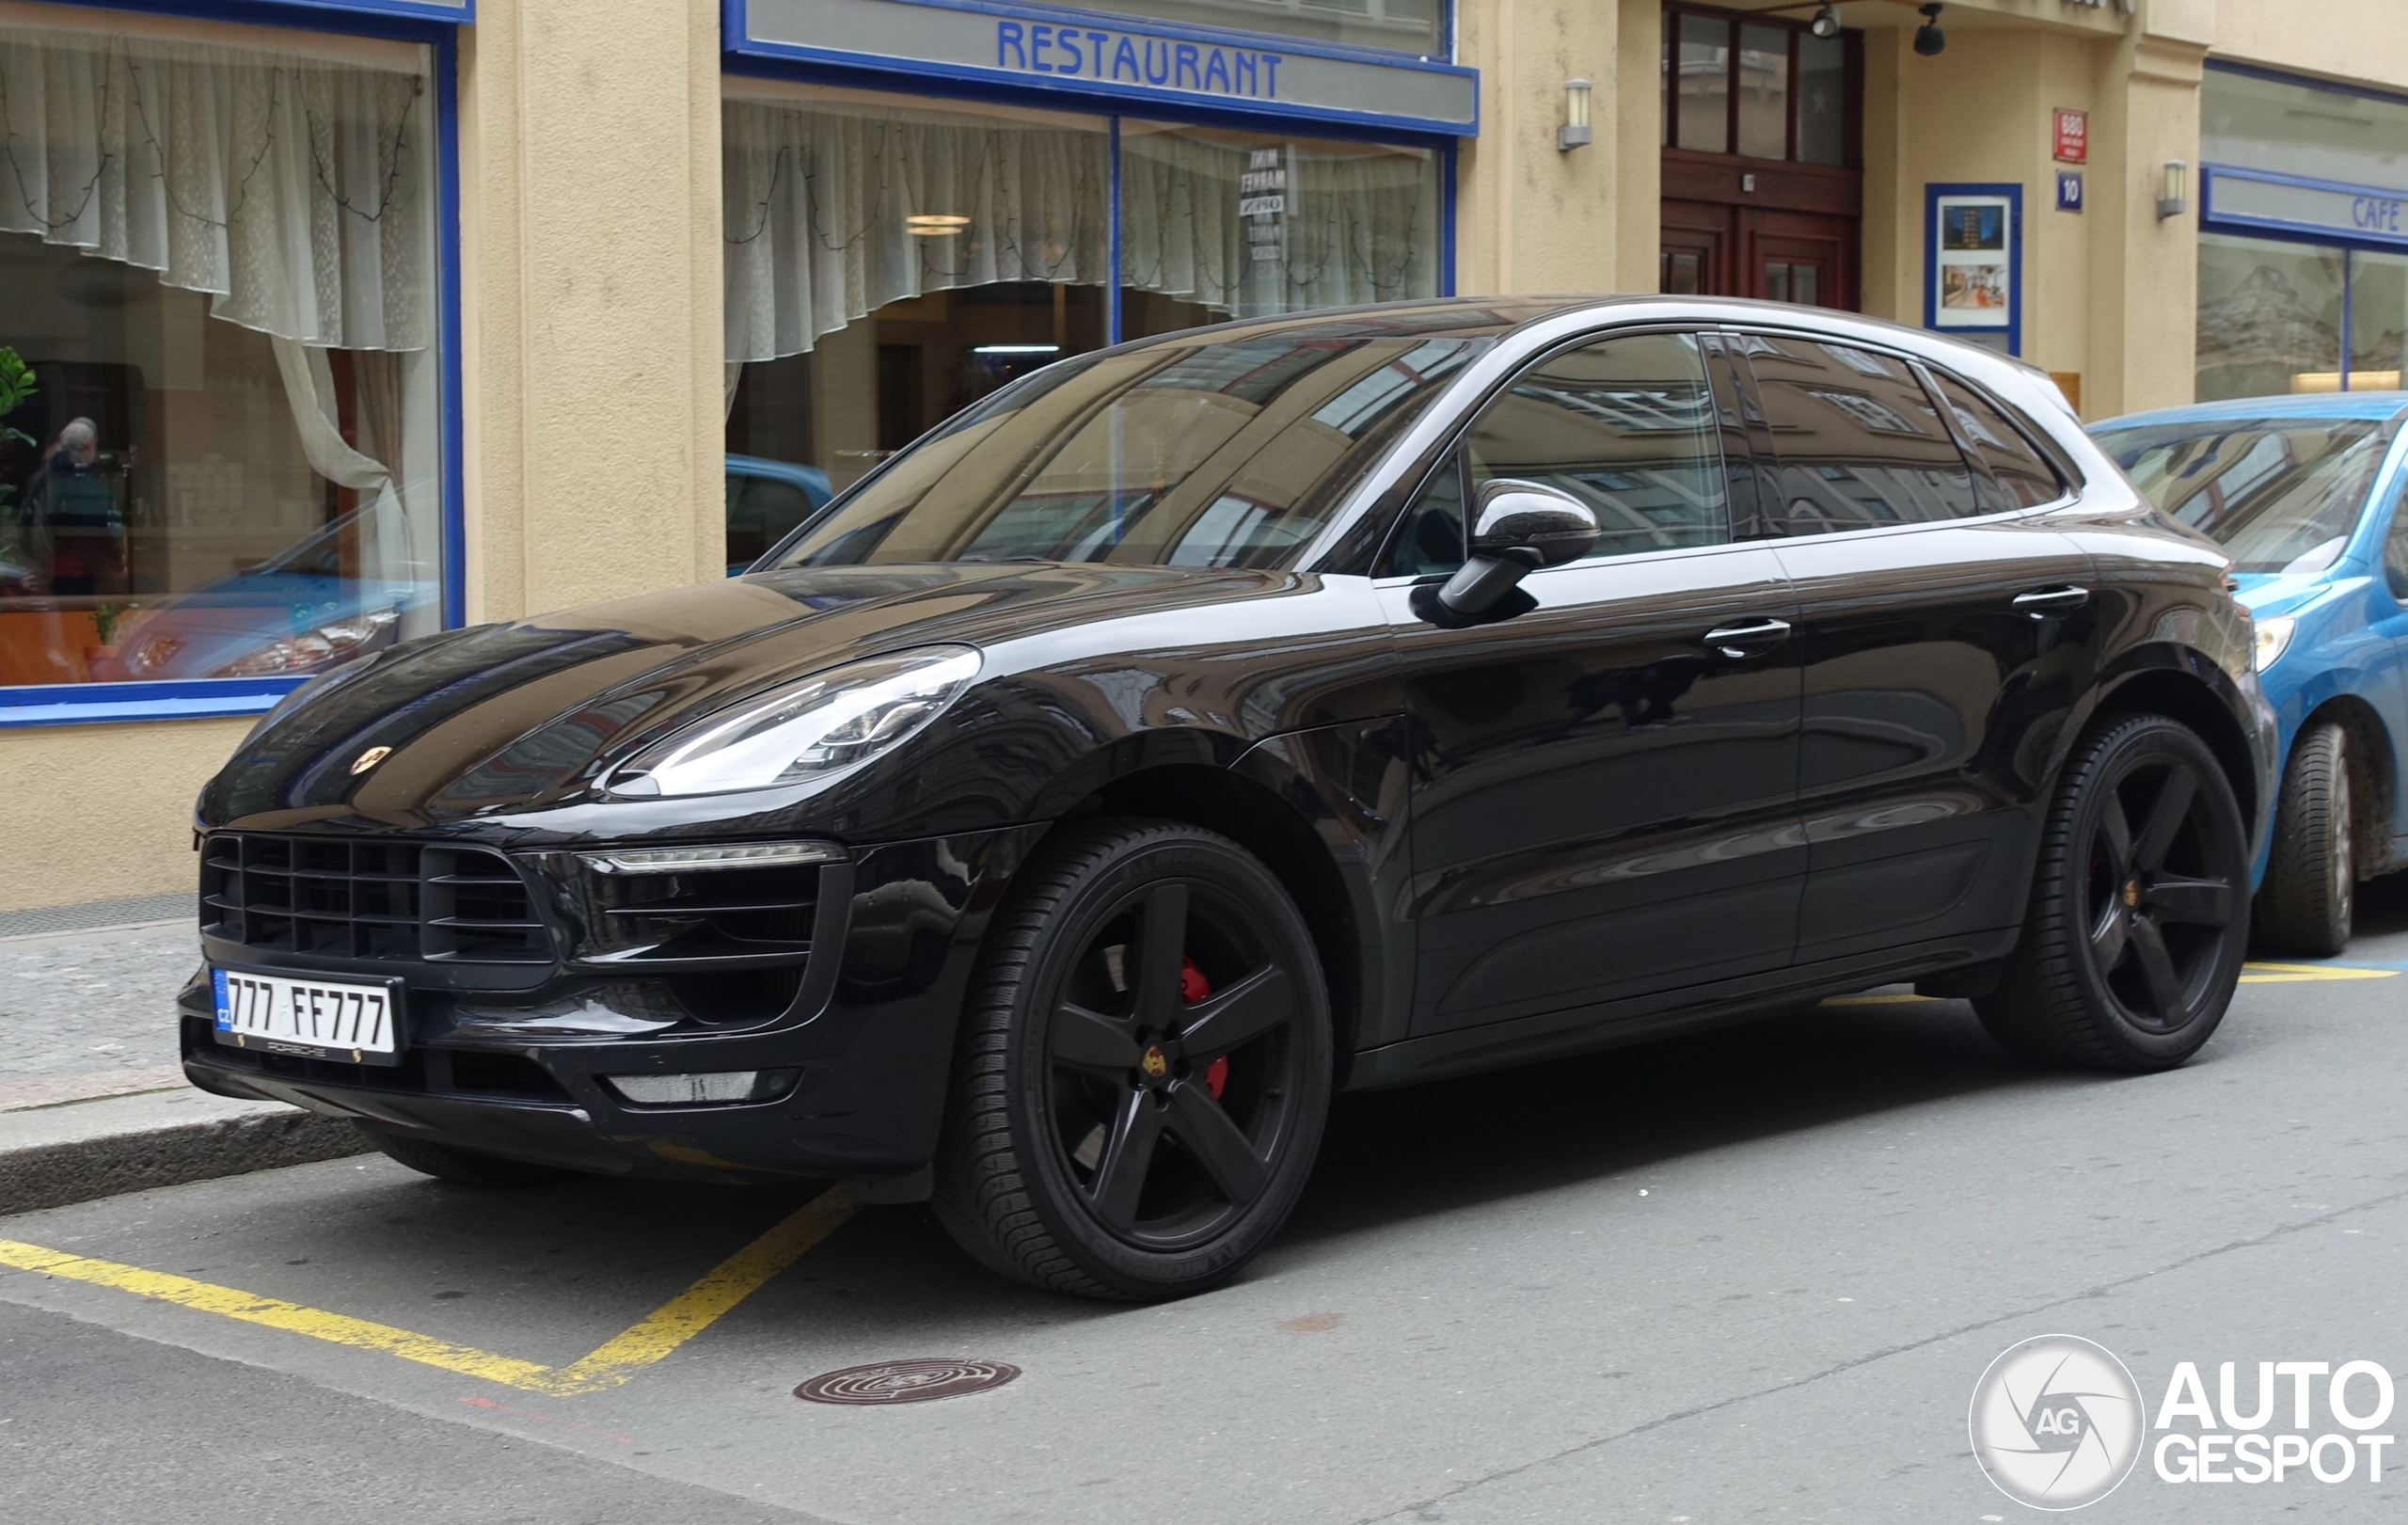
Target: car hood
[(2265, 593), (531, 713)]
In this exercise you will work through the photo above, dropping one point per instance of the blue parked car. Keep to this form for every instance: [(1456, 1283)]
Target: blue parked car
[(2304, 492), (764, 499)]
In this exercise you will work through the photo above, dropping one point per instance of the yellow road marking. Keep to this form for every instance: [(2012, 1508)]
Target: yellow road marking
[(668, 1326), (2285, 974)]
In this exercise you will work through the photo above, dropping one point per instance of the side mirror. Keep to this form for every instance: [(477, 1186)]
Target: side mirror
[(1516, 528)]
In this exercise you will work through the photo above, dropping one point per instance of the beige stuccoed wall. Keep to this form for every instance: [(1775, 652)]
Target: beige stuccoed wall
[(102, 812), (1531, 217), (590, 191)]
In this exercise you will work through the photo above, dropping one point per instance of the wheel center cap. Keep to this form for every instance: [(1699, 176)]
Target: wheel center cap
[(2133, 892), (1154, 1062)]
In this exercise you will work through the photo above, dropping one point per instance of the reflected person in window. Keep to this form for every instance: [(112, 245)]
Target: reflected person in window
[(75, 529)]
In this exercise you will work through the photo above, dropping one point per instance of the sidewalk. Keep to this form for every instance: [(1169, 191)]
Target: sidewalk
[(92, 1101)]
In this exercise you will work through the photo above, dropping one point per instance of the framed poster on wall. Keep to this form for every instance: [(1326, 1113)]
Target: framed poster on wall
[(1973, 263)]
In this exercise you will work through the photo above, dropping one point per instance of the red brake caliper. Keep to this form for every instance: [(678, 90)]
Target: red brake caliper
[(1194, 987)]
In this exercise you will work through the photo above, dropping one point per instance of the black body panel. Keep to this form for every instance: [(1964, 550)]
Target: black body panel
[(1559, 830)]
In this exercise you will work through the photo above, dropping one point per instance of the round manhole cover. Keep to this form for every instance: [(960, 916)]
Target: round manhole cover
[(912, 1381)]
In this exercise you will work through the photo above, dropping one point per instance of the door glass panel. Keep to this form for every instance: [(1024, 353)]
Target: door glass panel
[(1822, 100), (1705, 85), (1627, 426), (1860, 443), (2027, 480), (1764, 91), (1431, 540), (1791, 281), (1682, 272)]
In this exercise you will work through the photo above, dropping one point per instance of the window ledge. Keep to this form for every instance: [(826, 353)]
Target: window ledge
[(95, 704)]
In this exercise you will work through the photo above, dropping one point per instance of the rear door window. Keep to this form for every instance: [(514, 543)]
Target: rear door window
[(2023, 478), (1857, 442)]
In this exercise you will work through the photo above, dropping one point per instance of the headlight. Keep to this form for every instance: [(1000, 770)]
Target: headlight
[(330, 641), (808, 729), (2273, 636)]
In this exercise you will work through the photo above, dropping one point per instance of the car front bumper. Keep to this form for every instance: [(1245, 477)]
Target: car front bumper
[(868, 1049)]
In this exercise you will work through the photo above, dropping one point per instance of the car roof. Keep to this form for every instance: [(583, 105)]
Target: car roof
[(1497, 316), (2352, 404)]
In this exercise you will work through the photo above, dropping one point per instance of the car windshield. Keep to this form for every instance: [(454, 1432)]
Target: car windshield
[(1224, 454), (2282, 494)]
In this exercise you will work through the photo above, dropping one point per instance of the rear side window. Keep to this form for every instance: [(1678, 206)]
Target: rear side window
[(1627, 426), (1857, 441), (2023, 479)]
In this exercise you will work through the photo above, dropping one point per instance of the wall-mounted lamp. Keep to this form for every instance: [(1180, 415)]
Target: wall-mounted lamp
[(1576, 130), (1929, 40), (2172, 198), (1826, 21)]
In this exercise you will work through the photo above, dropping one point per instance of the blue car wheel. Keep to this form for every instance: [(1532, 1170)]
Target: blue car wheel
[(2311, 881)]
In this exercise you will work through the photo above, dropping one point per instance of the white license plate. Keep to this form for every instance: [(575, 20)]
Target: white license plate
[(319, 1018)]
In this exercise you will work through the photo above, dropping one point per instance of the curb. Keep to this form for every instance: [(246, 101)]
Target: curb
[(56, 1155)]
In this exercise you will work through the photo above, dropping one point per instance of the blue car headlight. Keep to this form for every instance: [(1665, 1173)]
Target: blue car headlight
[(2274, 634)]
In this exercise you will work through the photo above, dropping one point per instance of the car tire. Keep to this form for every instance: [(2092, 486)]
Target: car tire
[(2304, 907), (463, 1167), (2138, 920), (1142, 1071)]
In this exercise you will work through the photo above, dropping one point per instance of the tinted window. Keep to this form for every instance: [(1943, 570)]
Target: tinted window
[(1627, 426), (1430, 539), (2025, 479), (1217, 453), (2281, 494), (1860, 442)]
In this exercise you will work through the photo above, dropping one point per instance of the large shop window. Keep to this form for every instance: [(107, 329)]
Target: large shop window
[(2299, 313), (887, 265), (218, 264)]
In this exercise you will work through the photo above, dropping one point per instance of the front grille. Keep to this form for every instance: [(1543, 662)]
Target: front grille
[(368, 899)]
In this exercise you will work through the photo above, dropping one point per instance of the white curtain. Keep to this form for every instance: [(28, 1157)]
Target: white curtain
[(296, 191), (815, 202), (309, 386), (290, 187), (1355, 226)]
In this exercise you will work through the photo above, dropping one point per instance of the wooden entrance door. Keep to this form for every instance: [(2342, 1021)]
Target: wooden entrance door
[(1723, 250)]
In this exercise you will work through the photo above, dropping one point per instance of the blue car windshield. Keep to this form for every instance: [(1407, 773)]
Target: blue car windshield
[(2282, 494), (1228, 452)]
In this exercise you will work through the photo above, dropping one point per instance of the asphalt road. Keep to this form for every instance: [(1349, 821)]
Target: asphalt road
[(1748, 1276)]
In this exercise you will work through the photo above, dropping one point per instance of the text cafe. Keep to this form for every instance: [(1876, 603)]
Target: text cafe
[(926, 198)]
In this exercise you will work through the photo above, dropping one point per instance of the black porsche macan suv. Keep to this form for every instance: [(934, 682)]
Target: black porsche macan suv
[(1192, 729)]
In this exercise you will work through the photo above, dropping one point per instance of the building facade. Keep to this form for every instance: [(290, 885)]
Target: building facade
[(330, 323)]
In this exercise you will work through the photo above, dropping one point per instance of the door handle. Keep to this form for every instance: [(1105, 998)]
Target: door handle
[(2051, 603), (1753, 639)]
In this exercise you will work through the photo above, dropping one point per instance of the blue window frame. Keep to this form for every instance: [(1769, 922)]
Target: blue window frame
[(433, 23)]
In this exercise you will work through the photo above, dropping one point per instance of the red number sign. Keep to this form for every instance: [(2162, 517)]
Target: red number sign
[(2073, 136)]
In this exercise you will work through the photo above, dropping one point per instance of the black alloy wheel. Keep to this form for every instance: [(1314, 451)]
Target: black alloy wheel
[(2306, 906), (1144, 1068), (2139, 915)]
